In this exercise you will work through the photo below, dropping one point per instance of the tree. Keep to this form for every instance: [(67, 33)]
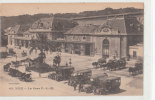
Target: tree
[(42, 44)]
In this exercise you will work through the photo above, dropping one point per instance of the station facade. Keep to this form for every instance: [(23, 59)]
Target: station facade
[(106, 36)]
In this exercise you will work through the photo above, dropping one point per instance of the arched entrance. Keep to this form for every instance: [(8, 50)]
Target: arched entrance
[(105, 48)]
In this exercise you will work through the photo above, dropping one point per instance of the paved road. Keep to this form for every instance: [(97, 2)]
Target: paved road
[(45, 87)]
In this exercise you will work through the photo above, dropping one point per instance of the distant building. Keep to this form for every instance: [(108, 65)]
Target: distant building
[(108, 36), (52, 28), (20, 36), (136, 51)]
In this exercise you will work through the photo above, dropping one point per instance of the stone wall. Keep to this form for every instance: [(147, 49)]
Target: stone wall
[(117, 46), (114, 45)]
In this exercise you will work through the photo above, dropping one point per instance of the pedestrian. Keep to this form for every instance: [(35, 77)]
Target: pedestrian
[(80, 86), (66, 64), (94, 89), (75, 85)]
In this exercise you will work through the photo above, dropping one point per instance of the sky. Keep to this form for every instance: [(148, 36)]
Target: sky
[(16, 9)]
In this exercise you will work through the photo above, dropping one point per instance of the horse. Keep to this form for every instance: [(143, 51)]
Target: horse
[(6, 67), (132, 70), (95, 64)]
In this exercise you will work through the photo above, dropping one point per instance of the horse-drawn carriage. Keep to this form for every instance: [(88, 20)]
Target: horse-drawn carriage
[(7, 66), (101, 63), (3, 54), (12, 69), (25, 77), (14, 72), (115, 64), (137, 69), (80, 77), (11, 52), (102, 84), (112, 64), (61, 73), (88, 88), (21, 75)]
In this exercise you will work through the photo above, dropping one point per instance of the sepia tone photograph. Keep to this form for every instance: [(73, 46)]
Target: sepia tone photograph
[(71, 49)]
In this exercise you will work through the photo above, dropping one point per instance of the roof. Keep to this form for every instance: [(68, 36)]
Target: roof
[(111, 26), (52, 24), (128, 25), (83, 71), (137, 46), (87, 29), (99, 75), (12, 30), (18, 29), (108, 78), (43, 23), (117, 24)]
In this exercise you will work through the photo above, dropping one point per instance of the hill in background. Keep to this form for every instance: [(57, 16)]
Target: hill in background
[(29, 19)]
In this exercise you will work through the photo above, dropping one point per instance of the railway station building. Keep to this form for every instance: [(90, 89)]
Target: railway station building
[(107, 36)]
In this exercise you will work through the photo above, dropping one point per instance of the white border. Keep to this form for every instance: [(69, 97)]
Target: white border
[(153, 31), (65, 1), (148, 51)]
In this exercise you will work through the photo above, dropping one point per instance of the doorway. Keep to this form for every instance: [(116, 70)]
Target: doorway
[(105, 48), (87, 49)]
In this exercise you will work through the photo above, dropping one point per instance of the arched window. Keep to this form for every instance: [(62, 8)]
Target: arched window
[(105, 48)]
